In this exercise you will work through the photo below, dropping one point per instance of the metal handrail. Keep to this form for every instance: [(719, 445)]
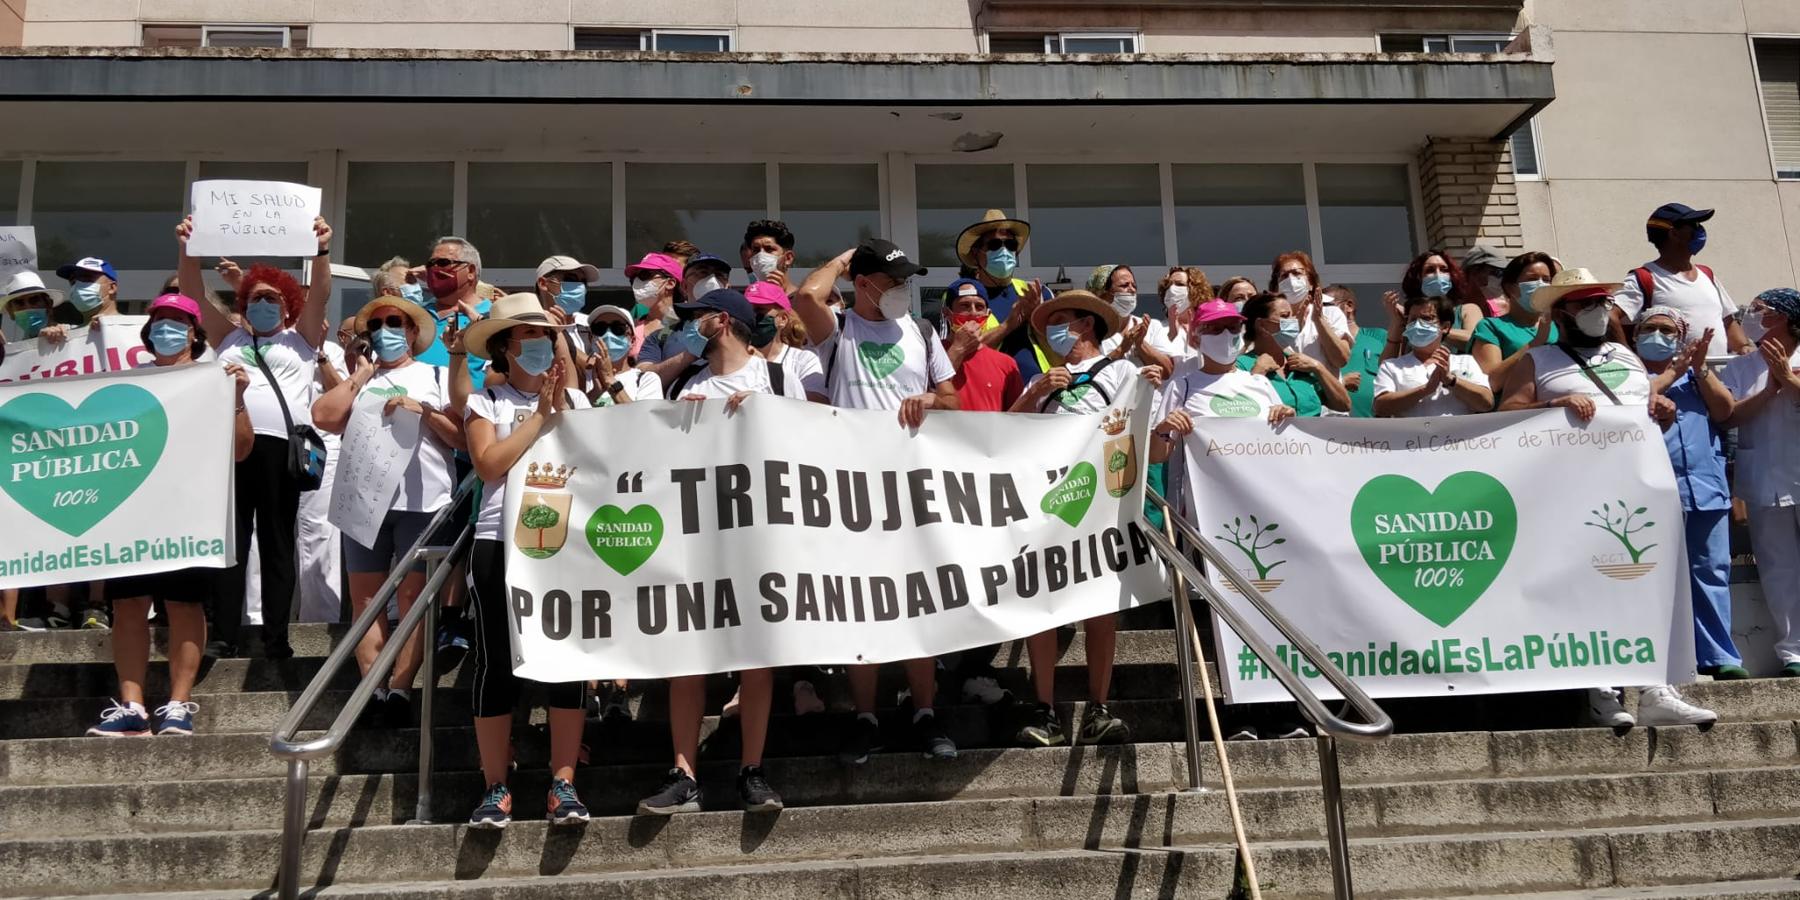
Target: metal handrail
[(298, 753)]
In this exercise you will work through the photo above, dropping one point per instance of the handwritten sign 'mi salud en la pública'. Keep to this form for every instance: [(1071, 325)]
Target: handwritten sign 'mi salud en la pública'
[(253, 218), (18, 250)]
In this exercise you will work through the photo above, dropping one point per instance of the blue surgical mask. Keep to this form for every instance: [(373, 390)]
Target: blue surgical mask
[(1655, 346), (1420, 334), (168, 338), (1001, 263), (85, 295), (572, 297), (1287, 334), (264, 316), (692, 340), (1698, 242), (1526, 289), (389, 343), (536, 355), (1435, 285), (413, 292), (31, 321), (1060, 338), (617, 345)]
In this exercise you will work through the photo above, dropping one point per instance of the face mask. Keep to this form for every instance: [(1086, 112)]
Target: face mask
[(168, 338), (1175, 300), (895, 302), (31, 321), (1001, 263), (645, 290), (671, 318), (1421, 334), (1126, 304), (1698, 242), (958, 320), (536, 355), (1655, 346), (263, 316), (692, 340), (1593, 322), (413, 293), (1222, 348), (765, 331), (764, 264), (440, 282), (1060, 338), (1435, 285), (85, 296), (1287, 334), (390, 344), (1754, 331), (706, 286), (1296, 288), (616, 345), (1526, 289), (572, 297)]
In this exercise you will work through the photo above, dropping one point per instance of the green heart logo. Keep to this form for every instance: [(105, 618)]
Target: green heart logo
[(1436, 550), (395, 391), (1070, 498), (624, 540), (249, 353), (1612, 373), (880, 359), (1072, 397), (1234, 406), (73, 467)]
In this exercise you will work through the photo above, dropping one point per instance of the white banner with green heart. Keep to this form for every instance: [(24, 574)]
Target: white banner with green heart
[(657, 539), (1469, 554), (125, 473)]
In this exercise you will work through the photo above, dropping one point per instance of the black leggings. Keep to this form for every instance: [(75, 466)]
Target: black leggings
[(268, 503), (496, 690)]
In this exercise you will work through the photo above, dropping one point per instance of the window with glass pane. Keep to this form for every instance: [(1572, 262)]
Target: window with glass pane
[(1102, 43), (520, 213), (1524, 149), (396, 208), (673, 42), (1015, 42), (1240, 215), (1369, 311), (246, 37), (1083, 216), (1366, 213), (1778, 69), (292, 172), (704, 203), (123, 212), (9, 192), (829, 208), (608, 39), (952, 198)]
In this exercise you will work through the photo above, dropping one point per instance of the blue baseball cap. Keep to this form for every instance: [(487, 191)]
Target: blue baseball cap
[(709, 261), (725, 300), (1670, 215), (963, 287), (92, 264)]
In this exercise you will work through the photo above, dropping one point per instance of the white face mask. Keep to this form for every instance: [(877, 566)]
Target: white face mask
[(1126, 304), (1754, 331), (1296, 288), (1175, 300), (646, 290), (764, 264), (1593, 322), (707, 285), (1222, 348), (895, 302)]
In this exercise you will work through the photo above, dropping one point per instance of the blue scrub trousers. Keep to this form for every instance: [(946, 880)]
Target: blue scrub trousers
[(1709, 571)]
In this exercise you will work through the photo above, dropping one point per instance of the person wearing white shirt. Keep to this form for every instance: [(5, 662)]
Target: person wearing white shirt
[(778, 336), (1135, 338), (1430, 381), (1766, 386), (1324, 330), (1673, 279), (617, 379)]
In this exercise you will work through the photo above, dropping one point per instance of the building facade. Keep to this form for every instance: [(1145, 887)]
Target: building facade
[(1214, 132)]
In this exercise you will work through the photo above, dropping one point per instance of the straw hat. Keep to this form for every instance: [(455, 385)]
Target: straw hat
[(1566, 282), (426, 332), (994, 220), (508, 311), (1079, 300)]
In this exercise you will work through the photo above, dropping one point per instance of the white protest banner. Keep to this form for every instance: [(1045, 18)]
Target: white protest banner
[(92, 468), (371, 463), (122, 342), (18, 250), (253, 218), (38, 359), (657, 539), (1460, 555)]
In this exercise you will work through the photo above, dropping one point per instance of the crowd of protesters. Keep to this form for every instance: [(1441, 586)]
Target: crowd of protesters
[(486, 370)]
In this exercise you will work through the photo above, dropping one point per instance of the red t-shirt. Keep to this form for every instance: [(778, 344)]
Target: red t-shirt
[(989, 381)]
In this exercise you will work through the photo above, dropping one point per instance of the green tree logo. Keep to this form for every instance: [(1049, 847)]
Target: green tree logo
[(539, 518), (1618, 524), (1250, 541)]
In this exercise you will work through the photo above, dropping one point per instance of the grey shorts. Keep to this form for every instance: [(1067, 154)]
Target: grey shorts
[(398, 533)]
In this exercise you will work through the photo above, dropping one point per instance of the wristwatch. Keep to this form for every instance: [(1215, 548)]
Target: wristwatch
[(616, 388)]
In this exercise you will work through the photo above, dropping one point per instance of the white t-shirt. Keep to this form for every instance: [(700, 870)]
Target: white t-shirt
[(876, 365), (803, 365), (753, 376), (428, 480), (505, 406), (1768, 469), (1407, 371), (294, 363), (1309, 332), (1091, 395), (1618, 368), (1156, 337), (1703, 300), (639, 385), (1236, 394)]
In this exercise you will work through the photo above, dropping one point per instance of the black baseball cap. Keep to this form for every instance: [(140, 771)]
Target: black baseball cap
[(725, 300), (706, 261), (1670, 215), (884, 256)]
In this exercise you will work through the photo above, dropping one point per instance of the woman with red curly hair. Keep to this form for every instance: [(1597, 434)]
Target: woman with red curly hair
[(278, 345), (1324, 330)]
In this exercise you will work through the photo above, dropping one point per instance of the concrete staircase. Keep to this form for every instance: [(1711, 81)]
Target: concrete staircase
[(1446, 808)]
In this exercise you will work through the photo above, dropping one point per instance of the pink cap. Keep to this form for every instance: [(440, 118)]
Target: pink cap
[(656, 262), (1214, 310), (765, 293), (177, 302)]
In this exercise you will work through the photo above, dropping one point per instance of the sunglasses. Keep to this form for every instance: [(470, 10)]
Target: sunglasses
[(619, 328), (395, 321), (439, 262), (997, 243), (268, 297)]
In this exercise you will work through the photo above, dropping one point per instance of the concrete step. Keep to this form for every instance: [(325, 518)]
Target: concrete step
[(1759, 889), (931, 845)]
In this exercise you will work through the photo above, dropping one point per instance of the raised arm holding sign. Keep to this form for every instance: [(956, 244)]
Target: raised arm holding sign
[(253, 218)]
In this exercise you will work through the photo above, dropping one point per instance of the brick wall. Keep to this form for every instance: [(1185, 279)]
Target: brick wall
[(1469, 195)]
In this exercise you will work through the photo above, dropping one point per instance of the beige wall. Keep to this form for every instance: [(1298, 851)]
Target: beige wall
[(12, 22)]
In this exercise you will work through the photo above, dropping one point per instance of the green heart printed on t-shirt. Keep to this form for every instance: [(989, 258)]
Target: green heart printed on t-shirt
[(1072, 397), (71, 467), (880, 359), (1613, 373), (249, 353), (1234, 406), (395, 391)]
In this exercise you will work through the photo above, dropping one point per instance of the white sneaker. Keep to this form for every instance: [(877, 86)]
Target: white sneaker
[(1244, 733), (984, 690), (1604, 709), (1660, 705)]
